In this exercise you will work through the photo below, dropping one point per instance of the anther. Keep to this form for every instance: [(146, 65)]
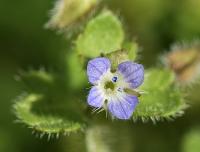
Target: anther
[(114, 79)]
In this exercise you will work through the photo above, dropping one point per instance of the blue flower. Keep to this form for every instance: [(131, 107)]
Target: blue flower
[(108, 89)]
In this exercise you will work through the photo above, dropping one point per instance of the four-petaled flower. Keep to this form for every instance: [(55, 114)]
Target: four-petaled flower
[(109, 90)]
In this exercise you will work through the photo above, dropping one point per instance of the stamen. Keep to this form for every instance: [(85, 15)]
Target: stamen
[(114, 79), (119, 89), (132, 92)]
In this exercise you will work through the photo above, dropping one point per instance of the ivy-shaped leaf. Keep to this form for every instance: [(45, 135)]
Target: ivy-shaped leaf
[(103, 34), (162, 99)]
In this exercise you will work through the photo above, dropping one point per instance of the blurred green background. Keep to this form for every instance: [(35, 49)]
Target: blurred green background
[(25, 44)]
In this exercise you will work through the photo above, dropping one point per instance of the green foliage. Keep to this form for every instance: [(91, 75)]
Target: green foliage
[(191, 140), (47, 108), (51, 106), (41, 122), (103, 34), (162, 99), (54, 100)]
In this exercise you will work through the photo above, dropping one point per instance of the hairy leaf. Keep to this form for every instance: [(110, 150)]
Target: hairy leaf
[(49, 121), (162, 99), (48, 108), (103, 34)]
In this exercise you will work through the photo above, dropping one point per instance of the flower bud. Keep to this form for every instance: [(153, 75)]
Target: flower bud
[(67, 12), (185, 62)]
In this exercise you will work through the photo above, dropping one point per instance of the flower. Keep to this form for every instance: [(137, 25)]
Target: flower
[(109, 89)]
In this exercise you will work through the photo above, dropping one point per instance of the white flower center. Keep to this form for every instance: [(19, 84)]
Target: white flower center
[(112, 84)]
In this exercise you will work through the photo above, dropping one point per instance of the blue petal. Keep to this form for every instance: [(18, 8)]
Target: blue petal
[(96, 68), (133, 73), (123, 107), (95, 98)]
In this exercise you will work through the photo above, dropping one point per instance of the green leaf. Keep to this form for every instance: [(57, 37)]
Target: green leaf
[(67, 12), (103, 34), (44, 122), (191, 140), (48, 108), (162, 99)]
